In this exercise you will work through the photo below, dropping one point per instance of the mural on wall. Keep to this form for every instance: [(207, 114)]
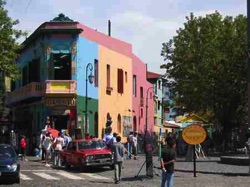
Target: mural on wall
[(127, 125)]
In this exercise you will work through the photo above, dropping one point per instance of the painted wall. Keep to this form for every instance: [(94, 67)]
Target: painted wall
[(117, 54), (87, 52), (115, 103), (140, 70), (158, 105)]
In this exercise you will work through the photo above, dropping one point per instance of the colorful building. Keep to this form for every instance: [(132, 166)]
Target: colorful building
[(55, 63), (142, 97), (156, 80)]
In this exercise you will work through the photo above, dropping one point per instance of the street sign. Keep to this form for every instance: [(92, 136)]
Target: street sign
[(194, 134)]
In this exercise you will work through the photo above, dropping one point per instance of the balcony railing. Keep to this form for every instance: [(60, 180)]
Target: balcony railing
[(60, 87), (34, 89)]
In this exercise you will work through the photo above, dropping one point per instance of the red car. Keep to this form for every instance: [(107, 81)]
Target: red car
[(82, 153)]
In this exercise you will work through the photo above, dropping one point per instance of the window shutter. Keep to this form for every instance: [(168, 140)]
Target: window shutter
[(120, 81)]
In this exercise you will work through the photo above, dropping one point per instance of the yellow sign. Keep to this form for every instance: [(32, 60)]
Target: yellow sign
[(55, 102), (59, 86), (194, 134)]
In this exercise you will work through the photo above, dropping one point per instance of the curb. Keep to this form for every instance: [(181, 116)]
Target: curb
[(214, 172)]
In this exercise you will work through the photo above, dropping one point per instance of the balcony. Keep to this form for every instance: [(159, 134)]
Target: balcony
[(32, 90), (65, 87), (141, 102)]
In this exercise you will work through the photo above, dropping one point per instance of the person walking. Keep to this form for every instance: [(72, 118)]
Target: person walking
[(118, 152), (58, 145), (168, 158), (23, 146), (47, 146)]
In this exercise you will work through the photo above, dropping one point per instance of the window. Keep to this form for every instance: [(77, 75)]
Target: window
[(34, 71), (108, 75), (96, 72), (120, 81), (141, 113), (134, 85), (159, 105), (141, 92), (159, 84), (126, 77)]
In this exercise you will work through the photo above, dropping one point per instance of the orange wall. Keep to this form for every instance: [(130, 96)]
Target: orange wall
[(115, 103)]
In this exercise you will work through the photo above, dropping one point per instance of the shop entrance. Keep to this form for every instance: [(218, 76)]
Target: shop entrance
[(60, 121)]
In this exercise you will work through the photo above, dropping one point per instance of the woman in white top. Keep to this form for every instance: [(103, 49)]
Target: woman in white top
[(47, 143), (58, 144)]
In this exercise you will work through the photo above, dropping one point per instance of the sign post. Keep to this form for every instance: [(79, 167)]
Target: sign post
[(194, 134)]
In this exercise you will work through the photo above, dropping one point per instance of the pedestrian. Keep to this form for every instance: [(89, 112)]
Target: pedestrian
[(134, 145), (47, 146), (130, 145), (107, 137), (168, 158), (58, 145), (41, 145), (23, 146), (118, 152)]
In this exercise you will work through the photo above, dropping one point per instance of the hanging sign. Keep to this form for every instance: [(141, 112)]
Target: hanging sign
[(194, 134)]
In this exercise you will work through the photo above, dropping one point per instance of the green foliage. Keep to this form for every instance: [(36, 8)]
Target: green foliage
[(8, 43), (206, 64)]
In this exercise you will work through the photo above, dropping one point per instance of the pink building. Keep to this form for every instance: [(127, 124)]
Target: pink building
[(142, 97)]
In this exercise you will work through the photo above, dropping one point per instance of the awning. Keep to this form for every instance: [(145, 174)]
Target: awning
[(172, 124)]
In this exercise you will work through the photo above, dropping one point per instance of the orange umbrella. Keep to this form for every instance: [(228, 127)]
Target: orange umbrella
[(53, 132)]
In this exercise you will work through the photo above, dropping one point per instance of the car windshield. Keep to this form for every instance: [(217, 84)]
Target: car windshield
[(7, 152), (91, 145)]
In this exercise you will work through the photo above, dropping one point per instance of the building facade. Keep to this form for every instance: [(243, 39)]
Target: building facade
[(156, 80), (55, 64)]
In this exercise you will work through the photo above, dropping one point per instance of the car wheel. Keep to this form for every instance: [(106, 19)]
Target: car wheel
[(18, 180), (81, 167), (67, 165)]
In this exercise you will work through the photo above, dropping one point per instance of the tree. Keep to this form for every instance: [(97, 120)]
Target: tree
[(9, 46), (206, 63)]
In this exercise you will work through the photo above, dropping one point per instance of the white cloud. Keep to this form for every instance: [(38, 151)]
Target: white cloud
[(146, 34), (146, 24)]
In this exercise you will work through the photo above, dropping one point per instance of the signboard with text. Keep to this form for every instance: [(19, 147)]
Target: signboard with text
[(194, 134), (59, 102)]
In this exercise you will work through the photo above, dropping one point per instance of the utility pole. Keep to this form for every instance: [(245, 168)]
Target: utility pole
[(248, 66)]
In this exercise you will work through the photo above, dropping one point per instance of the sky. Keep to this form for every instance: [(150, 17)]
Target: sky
[(146, 24)]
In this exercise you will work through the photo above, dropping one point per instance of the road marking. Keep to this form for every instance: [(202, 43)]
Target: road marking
[(46, 176), (38, 170), (95, 176), (68, 175), (24, 177)]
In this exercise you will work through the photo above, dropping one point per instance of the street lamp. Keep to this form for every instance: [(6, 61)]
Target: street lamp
[(147, 143), (89, 79)]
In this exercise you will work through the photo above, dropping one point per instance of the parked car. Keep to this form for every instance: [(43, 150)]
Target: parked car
[(83, 153), (9, 164)]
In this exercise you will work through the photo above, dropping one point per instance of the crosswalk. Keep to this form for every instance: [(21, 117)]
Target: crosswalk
[(29, 175)]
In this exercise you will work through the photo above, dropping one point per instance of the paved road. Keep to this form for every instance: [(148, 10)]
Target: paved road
[(210, 173)]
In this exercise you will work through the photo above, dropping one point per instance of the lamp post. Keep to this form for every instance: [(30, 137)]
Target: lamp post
[(90, 79), (147, 143)]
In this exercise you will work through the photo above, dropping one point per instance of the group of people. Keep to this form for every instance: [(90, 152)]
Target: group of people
[(52, 146)]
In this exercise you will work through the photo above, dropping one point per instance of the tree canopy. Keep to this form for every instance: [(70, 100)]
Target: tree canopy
[(206, 64), (8, 43)]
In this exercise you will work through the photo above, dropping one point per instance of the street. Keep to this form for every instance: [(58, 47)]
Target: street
[(35, 174)]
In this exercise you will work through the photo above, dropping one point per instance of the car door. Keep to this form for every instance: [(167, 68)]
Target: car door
[(75, 154), (68, 153)]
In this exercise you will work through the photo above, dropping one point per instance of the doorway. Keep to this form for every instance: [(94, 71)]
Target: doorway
[(60, 122)]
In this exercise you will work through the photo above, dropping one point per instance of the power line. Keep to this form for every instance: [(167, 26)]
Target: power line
[(27, 7)]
